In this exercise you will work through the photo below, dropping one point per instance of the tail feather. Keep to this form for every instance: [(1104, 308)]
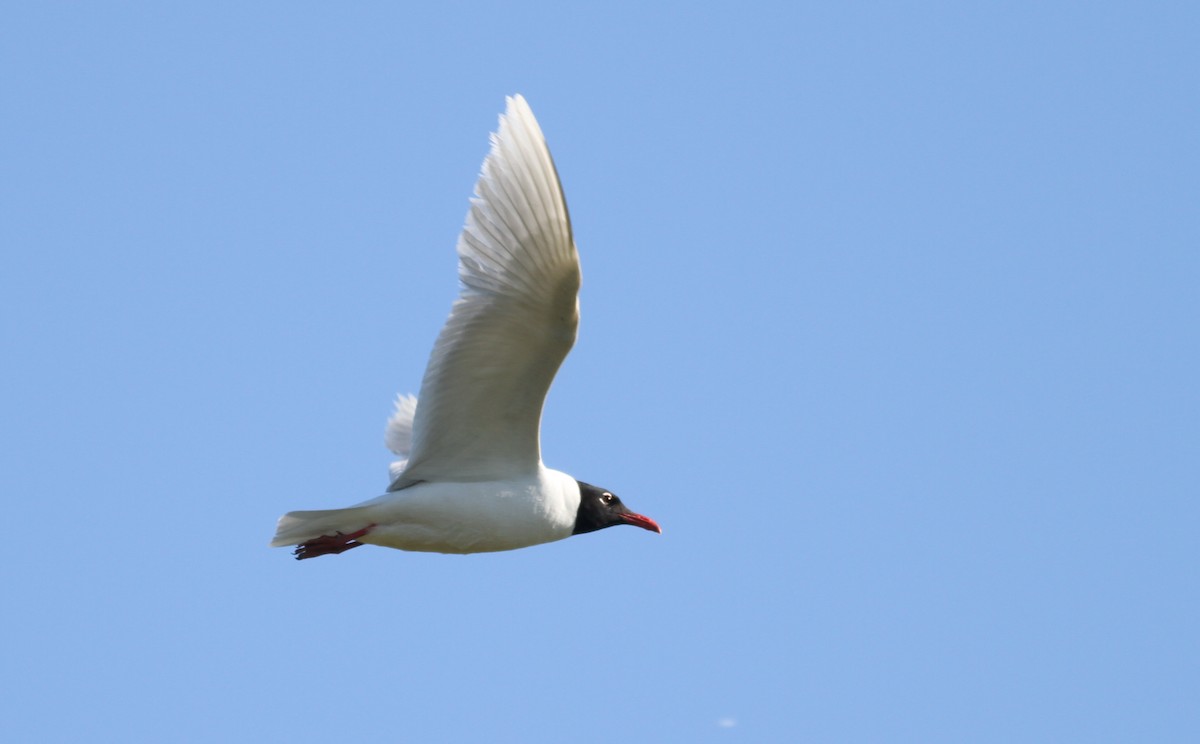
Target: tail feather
[(298, 527)]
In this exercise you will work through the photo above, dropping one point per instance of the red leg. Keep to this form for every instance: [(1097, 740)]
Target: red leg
[(330, 544)]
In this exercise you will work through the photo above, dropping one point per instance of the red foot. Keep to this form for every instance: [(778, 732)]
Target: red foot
[(330, 544)]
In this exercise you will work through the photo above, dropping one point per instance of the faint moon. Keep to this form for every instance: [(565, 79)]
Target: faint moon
[(726, 722)]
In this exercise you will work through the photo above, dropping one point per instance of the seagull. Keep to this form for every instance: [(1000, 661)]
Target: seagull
[(470, 477)]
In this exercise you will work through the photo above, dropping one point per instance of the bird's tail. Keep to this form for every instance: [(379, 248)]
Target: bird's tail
[(299, 527)]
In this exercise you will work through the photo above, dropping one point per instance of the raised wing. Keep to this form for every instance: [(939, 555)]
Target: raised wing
[(511, 326), (398, 435)]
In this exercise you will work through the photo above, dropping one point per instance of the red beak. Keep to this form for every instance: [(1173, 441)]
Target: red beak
[(646, 523)]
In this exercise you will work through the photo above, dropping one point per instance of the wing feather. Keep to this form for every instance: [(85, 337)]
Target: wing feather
[(512, 325)]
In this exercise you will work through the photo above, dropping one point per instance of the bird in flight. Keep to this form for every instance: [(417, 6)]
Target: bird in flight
[(470, 477)]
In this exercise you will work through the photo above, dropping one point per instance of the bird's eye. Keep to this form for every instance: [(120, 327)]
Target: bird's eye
[(607, 497)]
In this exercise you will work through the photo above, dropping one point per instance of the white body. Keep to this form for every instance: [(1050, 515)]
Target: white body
[(450, 517), (470, 476)]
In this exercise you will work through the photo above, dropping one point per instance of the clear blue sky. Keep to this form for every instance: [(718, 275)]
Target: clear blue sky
[(890, 318)]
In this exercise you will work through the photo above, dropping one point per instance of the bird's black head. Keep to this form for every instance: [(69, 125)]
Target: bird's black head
[(599, 509)]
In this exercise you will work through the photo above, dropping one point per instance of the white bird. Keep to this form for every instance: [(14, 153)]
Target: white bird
[(470, 478)]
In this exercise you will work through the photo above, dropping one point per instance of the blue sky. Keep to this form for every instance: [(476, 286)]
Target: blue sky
[(889, 318)]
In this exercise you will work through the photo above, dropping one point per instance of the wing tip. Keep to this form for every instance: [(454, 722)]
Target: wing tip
[(518, 113)]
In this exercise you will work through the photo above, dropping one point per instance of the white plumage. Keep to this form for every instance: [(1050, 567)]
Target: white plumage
[(398, 435), (470, 477), (512, 324)]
